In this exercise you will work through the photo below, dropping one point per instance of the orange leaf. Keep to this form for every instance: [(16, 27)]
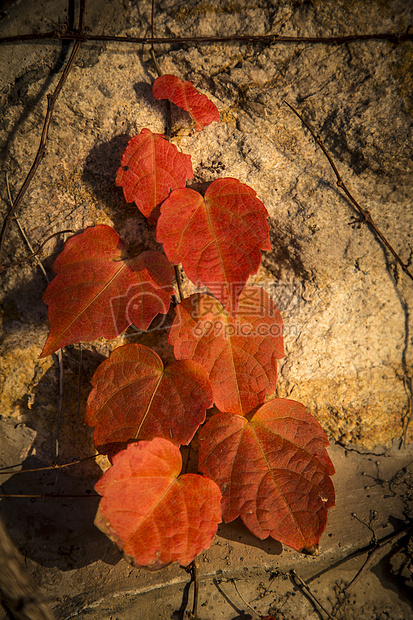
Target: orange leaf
[(218, 239), (185, 95), (153, 515), (134, 397), (273, 471), (239, 353), (99, 291), (150, 168)]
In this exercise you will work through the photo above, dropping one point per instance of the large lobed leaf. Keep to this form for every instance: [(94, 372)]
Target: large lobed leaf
[(153, 515), (239, 353), (98, 291), (134, 397), (273, 471), (151, 167), (185, 95), (218, 239)]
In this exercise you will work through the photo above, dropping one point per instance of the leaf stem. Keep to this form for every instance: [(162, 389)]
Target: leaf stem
[(34, 253)]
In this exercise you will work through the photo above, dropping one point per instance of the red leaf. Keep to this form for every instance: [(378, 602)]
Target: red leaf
[(239, 353), (134, 397), (150, 513), (185, 95), (273, 471), (150, 168), (98, 291), (217, 238)]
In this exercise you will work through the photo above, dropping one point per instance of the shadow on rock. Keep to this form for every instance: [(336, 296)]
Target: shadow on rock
[(99, 173), (238, 532), (101, 166), (52, 522)]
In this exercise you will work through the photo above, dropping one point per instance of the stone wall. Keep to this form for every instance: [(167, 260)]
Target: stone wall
[(345, 304)]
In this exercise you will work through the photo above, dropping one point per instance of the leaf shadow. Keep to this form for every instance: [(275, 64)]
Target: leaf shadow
[(179, 614), (58, 531), (285, 254), (143, 92), (236, 531), (100, 167), (99, 173), (179, 117)]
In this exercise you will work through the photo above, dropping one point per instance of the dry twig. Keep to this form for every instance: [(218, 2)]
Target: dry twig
[(41, 151), (269, 39), (340, 183)]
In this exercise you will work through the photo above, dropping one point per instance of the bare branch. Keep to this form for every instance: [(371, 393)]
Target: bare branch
[(51, 101), (364, 213), (271, 39)]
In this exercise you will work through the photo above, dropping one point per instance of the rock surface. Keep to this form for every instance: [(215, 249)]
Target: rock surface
[(346, 305)]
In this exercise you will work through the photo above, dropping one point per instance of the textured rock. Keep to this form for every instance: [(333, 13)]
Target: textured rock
[(345, 305)]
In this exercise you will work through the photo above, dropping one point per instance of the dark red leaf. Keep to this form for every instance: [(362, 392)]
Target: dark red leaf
[(239, 353), (150, 168), (98, 291), (134, 397), (153, 515), (218, 239), (185, 95), (273, 471)]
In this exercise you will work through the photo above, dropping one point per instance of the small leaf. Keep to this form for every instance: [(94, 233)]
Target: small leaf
[(150, 168), (273, 470), (239, 353), (98, 291), (134, 397), (218, 239), (153, 515), (185, 95)]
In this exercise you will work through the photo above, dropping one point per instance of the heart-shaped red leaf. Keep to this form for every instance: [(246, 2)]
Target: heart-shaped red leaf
[(185, 95), (239, 353), (134, 397), (98, 291), (273, 471), (153, 515), (150, 168), (218, 239)]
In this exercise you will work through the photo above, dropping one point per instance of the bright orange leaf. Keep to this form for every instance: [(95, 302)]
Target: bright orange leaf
[(151, 167), (185, 95), (153, 515), (99, 291), (239, 353), (273, 471), (134, 397), (218, 239)]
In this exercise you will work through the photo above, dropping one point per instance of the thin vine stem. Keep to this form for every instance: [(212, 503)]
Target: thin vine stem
[(340, 183), (168, 130), (41, 151), (45, 495), (270, 39), (8, 470), (35, 253)]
